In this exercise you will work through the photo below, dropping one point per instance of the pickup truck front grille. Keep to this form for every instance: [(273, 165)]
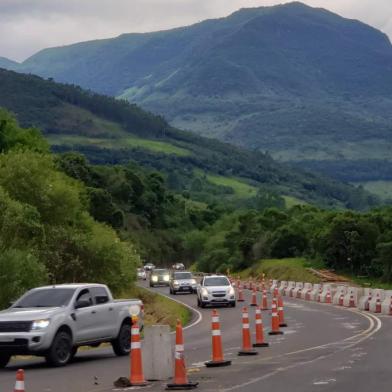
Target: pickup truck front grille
[(15, 326)]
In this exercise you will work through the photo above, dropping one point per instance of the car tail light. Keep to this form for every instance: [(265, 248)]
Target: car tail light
[(142, 309)]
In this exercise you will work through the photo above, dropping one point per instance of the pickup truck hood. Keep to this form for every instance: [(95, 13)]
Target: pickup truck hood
[(27, 314)]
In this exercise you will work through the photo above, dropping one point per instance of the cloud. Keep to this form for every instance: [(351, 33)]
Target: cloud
[(26, 26)]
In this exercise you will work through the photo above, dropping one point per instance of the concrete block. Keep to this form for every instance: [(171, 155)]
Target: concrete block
[(289, 289), (376, 294), (157, 353), (363, 302), (315, 291), (306, 290), (340, 290), (355, 293), (327, 288), (282, 287), (298, 288), (386, 304)]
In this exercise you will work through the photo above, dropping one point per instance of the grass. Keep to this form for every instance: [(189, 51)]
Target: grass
[(240, 188), (292, 201), (293, 269), (368, 281), (120, 143), (159, 309), (380, 188)]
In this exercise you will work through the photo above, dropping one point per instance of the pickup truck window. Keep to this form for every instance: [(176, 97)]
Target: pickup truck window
[(45, 298), (85, 296), (100, 295)]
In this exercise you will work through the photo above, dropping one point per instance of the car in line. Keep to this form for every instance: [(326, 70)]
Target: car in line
[(141, 274), (182, 282), (160, 277), (178, 267), (215, 290), (149, 267), (54, 321)]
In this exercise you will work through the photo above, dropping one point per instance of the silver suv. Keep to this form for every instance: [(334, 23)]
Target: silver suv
[(182, 281), (215, 290)]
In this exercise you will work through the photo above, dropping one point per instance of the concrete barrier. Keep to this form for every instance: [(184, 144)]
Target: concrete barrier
[(355, 293), (376, 294), (289, 289), (363, 303), (282, 287), (327, 288), (315, 291), (157, 353), (274, 285), (340, 291), (386, 304), (305, 294), (298, 289)]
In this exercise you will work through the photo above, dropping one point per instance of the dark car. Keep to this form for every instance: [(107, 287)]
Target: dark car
[(159, 277), (182, 281)]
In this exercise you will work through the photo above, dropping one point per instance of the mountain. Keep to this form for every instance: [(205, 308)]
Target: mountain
[(7, 63), (108, 130), (306, 85)]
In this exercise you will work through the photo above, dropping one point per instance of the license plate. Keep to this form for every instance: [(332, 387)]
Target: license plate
[(6, 339)]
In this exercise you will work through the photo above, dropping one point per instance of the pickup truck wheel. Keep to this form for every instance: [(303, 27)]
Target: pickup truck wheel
[(4, 359), (121, 345), (60, 351)]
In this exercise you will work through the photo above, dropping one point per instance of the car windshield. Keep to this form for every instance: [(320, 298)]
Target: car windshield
[(216, 281), (182, 275), (160, 272), (46, 298)]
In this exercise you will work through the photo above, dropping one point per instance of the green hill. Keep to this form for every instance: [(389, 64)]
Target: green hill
[(112, 131), (302, 83)]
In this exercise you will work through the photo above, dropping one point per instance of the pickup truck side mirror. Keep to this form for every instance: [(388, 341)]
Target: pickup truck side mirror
[(82, 303)]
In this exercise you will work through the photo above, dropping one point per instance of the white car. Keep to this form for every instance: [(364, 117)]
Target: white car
[(141, 274), (215, 290)]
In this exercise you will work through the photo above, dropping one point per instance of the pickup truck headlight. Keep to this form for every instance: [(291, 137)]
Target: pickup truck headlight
[(154, 278), (40, 324), (175, 283), (231, 291), (166, 278), (204, 292)]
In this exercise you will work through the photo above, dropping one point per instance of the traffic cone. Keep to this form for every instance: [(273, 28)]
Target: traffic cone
[(19, 384), (390, 307), (328, 299), (246, 340), (259, 330), (251, 285), (180, 376), (240, 295), (319, 294), (137, 377), (378, 304), (276, 292), (282, 324), (217, 351), (368, 302), (274, 320), (299, 293), (341, 299), (264, 300), (307, 295), (351, 304), (254, 298)]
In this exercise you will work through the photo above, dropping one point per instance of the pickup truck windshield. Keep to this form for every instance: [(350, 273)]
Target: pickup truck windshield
[(46, 298), (216, 282), (182, 275)]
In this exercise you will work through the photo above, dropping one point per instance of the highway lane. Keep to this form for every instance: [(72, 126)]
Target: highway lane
[(313, 353)]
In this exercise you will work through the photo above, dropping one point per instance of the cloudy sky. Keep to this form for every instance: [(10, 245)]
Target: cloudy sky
[(27, 26)]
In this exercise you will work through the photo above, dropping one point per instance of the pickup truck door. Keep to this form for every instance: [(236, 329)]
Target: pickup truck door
[(106, 313), (85, 319)]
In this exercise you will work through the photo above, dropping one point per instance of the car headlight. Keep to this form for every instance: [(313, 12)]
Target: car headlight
[(193, 281), (40, 324), (175, 282), (166, 278), (204, 292), (231, 291), (154, 278)]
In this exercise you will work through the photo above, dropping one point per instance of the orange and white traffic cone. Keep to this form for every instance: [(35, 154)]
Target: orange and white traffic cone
[(180, 376), (251, 285), (341, 299), (259, 330), (319, 294), (351, 304), (246, 340), (240, 295), (264, 300), (254, 298), (20, 384), (328, 299), (367, 304), (217, 351), (274, 320), (299, 293), (275, 292), (378, 305), (307, 295), (137, 377), (390, 307), (281, 313)]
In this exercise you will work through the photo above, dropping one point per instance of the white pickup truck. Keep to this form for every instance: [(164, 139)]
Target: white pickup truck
[(53, 321)]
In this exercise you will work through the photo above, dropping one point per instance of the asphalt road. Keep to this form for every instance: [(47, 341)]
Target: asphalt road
[(324, 348)]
